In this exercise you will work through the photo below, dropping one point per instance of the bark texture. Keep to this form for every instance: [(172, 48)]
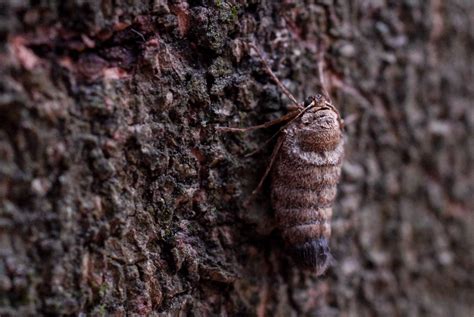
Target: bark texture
[(117, 195)]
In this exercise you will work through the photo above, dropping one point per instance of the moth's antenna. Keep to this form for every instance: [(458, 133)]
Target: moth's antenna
[(268, 124), (321, 66), (296, 115), (274, 77)]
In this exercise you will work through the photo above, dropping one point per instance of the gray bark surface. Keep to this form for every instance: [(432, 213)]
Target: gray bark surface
[(119, 197)]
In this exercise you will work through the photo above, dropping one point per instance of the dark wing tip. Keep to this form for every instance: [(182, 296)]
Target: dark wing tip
[(313, 255)]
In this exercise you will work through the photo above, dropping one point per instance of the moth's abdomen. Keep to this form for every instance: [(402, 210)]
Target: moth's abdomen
[(302, 199), (304, 186)]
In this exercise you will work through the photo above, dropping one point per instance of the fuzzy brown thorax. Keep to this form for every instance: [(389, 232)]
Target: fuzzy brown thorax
[(318, 130)]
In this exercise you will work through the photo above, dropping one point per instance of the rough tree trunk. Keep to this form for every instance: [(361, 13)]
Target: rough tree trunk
[(118, 196)]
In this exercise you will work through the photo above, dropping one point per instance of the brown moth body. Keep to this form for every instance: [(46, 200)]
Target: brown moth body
[(305, 174), (305, 167)]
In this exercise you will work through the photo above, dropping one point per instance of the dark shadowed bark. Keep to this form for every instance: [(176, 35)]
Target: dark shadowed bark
[(118, 196)]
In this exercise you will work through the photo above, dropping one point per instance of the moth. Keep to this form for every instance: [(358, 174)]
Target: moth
[(305, 168)]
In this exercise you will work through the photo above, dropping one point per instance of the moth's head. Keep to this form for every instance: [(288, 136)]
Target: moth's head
[(320, 127), (320, 119), (321, 113)]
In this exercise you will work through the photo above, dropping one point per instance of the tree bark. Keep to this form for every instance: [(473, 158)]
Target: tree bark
[(118, 196)]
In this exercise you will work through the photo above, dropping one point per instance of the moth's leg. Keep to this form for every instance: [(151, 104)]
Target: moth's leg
[(293, 107), (268, 124), (274, 77), (298, 114), (276, 149)]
